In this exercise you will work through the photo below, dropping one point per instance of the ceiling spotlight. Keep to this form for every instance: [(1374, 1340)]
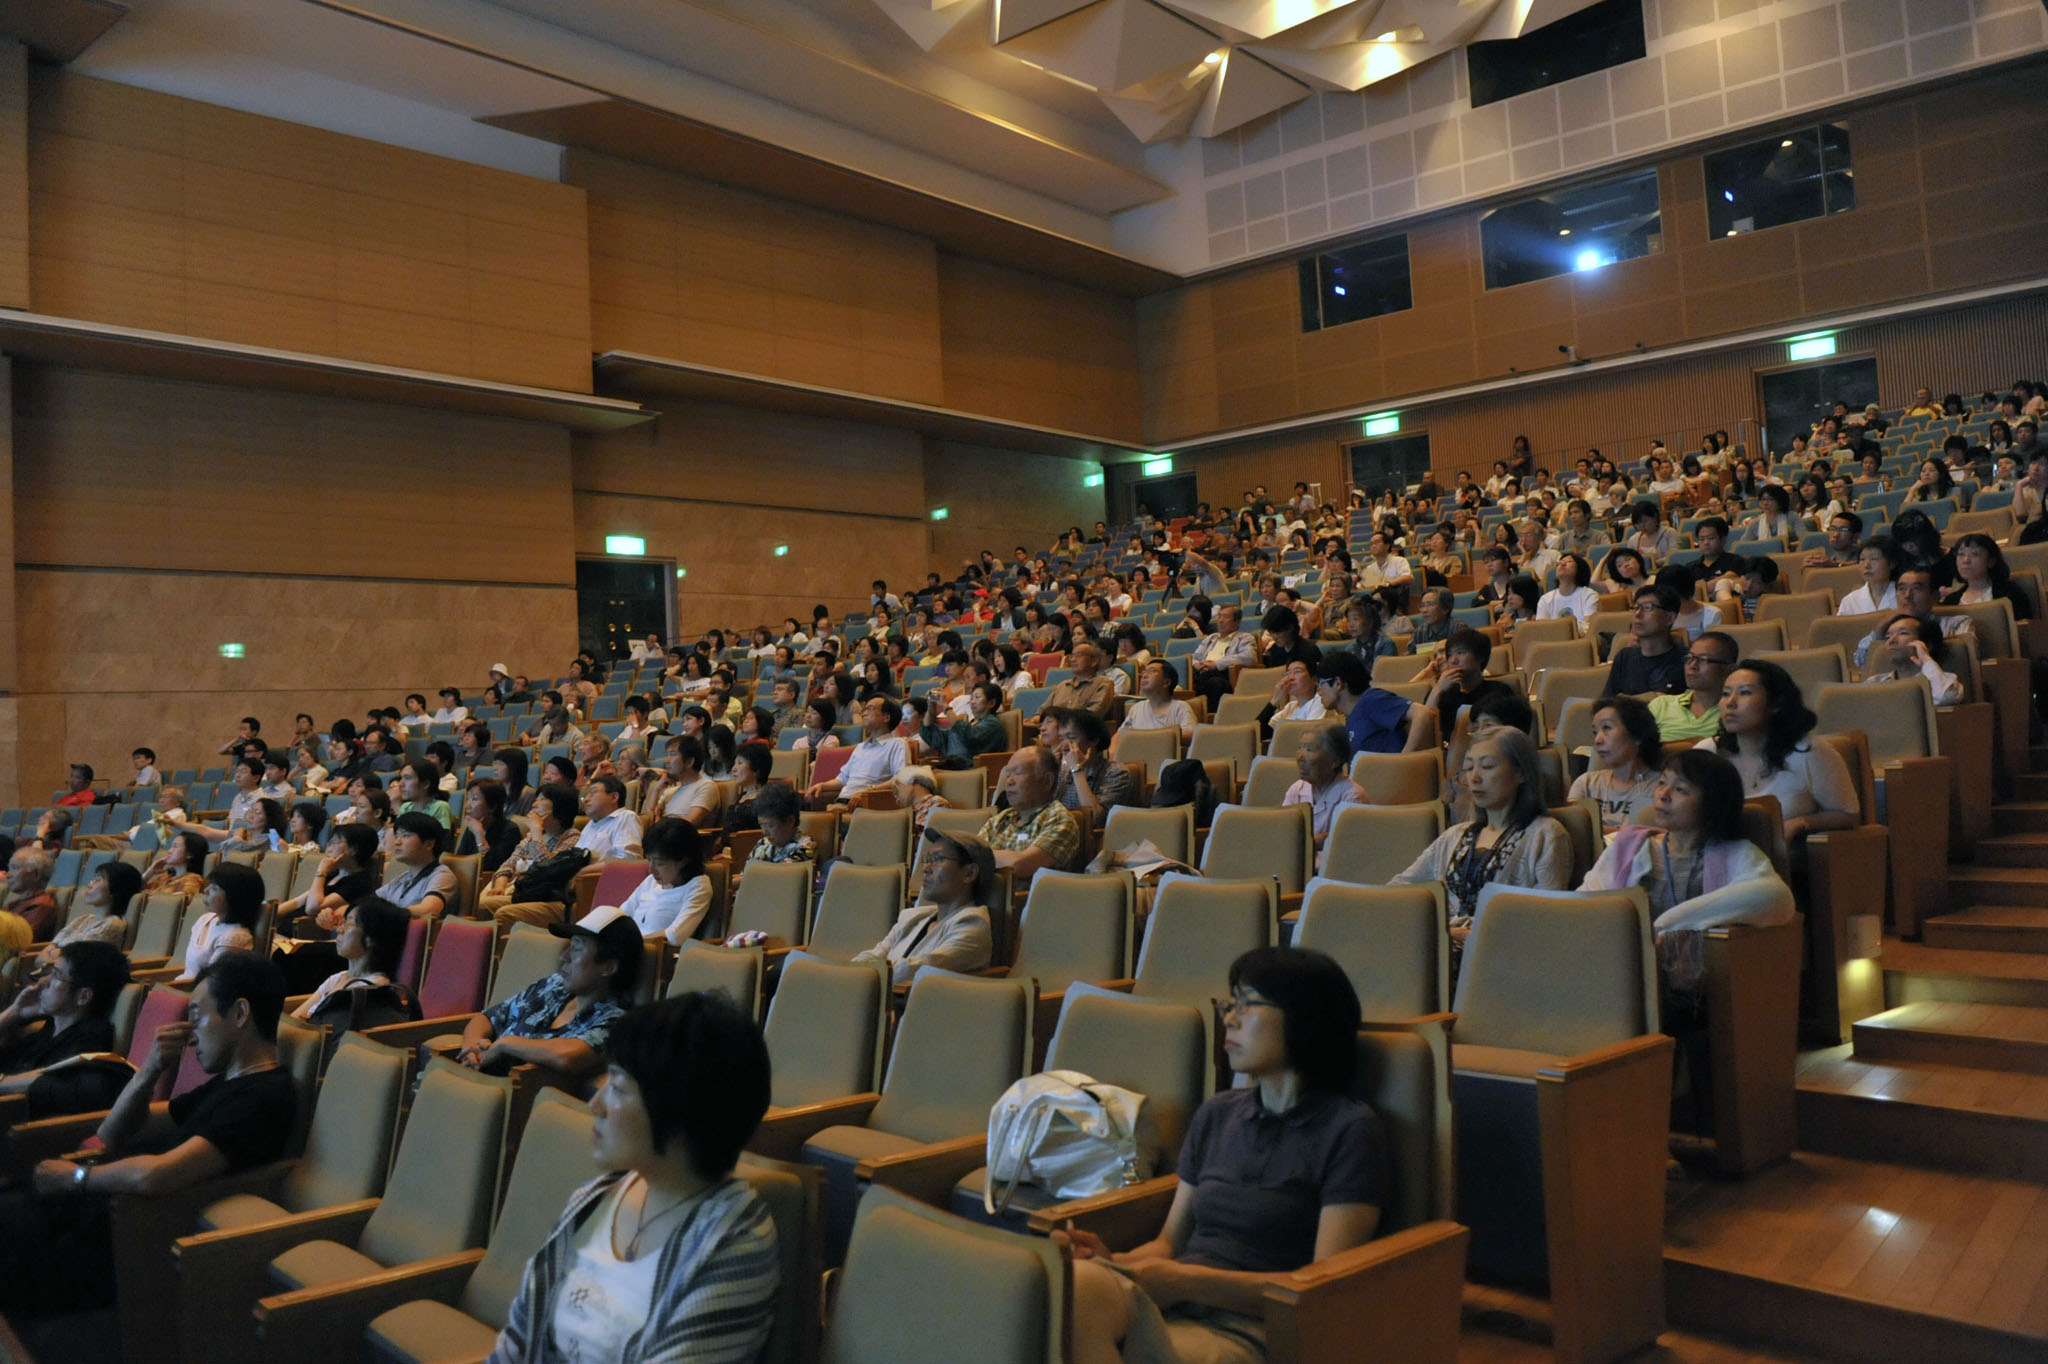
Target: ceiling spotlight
[(1786, 143), (1213, 59), (1564, 232), (1391, 35)]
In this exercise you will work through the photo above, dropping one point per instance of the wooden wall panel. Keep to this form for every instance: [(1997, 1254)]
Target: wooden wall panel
[(1942, 203), (998, 499), (694, 271), (140, 473), (114, 658), (13, 174), (1028, 349), (9, 645), (152, 211)]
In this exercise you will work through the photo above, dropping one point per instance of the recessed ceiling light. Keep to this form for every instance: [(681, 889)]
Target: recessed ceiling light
[(1213, 59)]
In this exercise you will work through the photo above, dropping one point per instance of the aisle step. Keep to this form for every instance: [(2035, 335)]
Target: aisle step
[(1980, 1036), (1990, 928)]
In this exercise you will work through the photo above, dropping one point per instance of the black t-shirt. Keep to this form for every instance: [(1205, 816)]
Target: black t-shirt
[(500, 843), (1301, 651), (1635, 672), (247, 1119), (46, 1046), (351, 886), (1455, 698)]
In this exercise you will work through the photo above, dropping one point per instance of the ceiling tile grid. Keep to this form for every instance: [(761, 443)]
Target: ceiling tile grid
[(1338, 163)]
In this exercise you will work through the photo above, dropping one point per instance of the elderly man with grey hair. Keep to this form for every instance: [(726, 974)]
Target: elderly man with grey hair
[(1323, 758), (1035, 830), (28, 890)]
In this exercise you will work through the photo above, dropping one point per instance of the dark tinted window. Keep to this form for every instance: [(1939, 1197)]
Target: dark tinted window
[(1355, 283), (1782, 179), (1582, 227), (1595, 38)]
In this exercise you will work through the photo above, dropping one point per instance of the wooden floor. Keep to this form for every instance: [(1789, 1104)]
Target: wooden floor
[(1969, 1248), (1506, 1327), (1836, 1070)]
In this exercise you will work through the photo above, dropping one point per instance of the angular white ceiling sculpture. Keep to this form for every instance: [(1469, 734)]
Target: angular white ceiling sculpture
[(1171, 68)]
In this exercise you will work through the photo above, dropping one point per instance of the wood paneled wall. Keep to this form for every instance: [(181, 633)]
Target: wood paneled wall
[(997, 499), (141, 473), (1028, 349), (1941, 204), (13, 174), (151, 211), (693, 271)]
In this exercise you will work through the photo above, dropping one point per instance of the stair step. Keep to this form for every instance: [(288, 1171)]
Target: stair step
[(1981, 1036), (1990, 928), (1981, 885), (2020, 817), (1918, 973), (2013, 850), (2030, 786), (1990, 1122)]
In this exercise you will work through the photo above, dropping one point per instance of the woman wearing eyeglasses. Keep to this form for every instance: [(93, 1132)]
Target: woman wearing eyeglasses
[(948, 926), (1285, 1171)]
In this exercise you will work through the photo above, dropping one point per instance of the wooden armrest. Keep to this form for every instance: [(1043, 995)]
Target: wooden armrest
[(306, 1324), (784, 1131), (136, 964), (410, 1035), (221, 1273), (48, 1138), (1404, 1292), (1614, 1056), (13, 1109), (1290, 904), (926, 1173), (156, 975), (1123, 1218)]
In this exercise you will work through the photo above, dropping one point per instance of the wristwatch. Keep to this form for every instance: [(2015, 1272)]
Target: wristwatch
[(78, 1178)]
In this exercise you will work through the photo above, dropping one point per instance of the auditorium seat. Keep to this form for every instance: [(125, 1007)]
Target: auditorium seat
[(1371, 844), (1913, 782), (1392, 941), (856, 909), (1197, 928), (736, 971)]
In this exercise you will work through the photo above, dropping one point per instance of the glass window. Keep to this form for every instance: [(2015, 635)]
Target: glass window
[(1783, 179), (1355, 283), (1593, 39), (1582, 227)]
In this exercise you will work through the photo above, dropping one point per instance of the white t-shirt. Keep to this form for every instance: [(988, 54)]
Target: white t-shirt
[(1557, 602), (1177, 715), (1859, 603), (671, 912), (451, 715), (603, 1300)]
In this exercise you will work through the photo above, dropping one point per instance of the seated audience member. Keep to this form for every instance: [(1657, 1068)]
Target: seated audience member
[(421, 884), (1090, 782), (246, 731), (1880, 560), (342, 878), (509, 769), (622, 1277), (555, 809), (613, 833), (277, 779), (107, 894), (452, 711), (555, 725), (486, 829), (673, 898), (1035, 830), (1510, 840), (77, 786), (684, 792), (1623, 570), (1982, 574), (263, 832), (56, 1249), (593, 758), (1573, 595), (1294, 698), (1497, 567), (1282, 642), (178, 869), (1650, 537), (561, 1022), (1916, 598), (247, 775), (231, 907), (28, 891), (145, 768), (1630, 748), (1760, 578), (381, 753), (820, 717), (53, 828), (1089, 688), (779, 809), (1433, 624), (1193, 1292), (1375, 721), (1652, 662), (1156, 707), (303, 826), (370, 941), (1695, 713), (1458, 676), (753, 767), (1845, 542), (1323, 758), (1693, 615), (1228, 647), (66, 1010), (875, 760), (1699, 871), (1766, 730), (1914, 648), (949, 925)]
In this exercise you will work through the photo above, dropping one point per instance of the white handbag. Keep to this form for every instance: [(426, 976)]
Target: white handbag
[(1068, 1134)]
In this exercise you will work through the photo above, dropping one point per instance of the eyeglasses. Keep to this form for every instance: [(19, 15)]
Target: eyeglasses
[(1239, 1005), (1706, 662)]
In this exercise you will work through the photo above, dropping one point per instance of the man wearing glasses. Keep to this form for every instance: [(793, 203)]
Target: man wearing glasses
[(1654, 662), (1695, 713), (65, 1011)]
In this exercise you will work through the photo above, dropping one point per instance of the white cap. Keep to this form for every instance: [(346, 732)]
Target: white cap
[(501, 668)]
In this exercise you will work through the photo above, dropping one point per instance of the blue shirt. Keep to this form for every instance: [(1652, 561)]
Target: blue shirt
[(1374, 723)]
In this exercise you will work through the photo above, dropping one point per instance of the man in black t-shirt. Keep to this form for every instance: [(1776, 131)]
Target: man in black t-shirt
[(1654, 662), (55, 1243), (1459, 670), (66, 1011)]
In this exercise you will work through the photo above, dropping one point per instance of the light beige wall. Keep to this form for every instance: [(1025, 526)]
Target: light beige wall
[(997, 499)]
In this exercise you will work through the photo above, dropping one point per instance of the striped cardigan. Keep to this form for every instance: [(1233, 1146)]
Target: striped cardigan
[(715, 1283)]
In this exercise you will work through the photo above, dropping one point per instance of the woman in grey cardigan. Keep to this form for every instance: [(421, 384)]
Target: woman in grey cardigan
[(1513, 841)]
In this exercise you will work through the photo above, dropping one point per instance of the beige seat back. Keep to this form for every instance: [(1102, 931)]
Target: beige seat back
[(1837, 583), (1286, 740), (1400, 778), (859, 906), (127, 1008), (736, 971), (1896, 717), (1796, 611), (1756, 637), (156, 928), (1534, 658), (467, 869), (775, 898), (1391, 668), (1171, 830), (1258, 681), (1555, 686), (1163, 1049), (1993, 623), (1268, 843), (553, 1162), (1557, 973), (981, 1293), (1371, 844), (1581, 820), (354, 1123), (967, 788), (1405, 1074), (1154, 747), (1234, 709), (825, 1030), (1239, 744), (1812, 669), (877, 838), (301, 1048), (1845, 631), (791, 1193), (1392, 941), (276, 870), (1076, 927), (530, 953), (966, 820), (962, 1042), (1559, 630), (444, 1184), (304, 872), (1268, 783), (1197, 929)]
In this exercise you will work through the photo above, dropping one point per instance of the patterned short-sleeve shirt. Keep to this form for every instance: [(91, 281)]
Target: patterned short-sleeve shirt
[(1051, 827), (532, 1013)]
